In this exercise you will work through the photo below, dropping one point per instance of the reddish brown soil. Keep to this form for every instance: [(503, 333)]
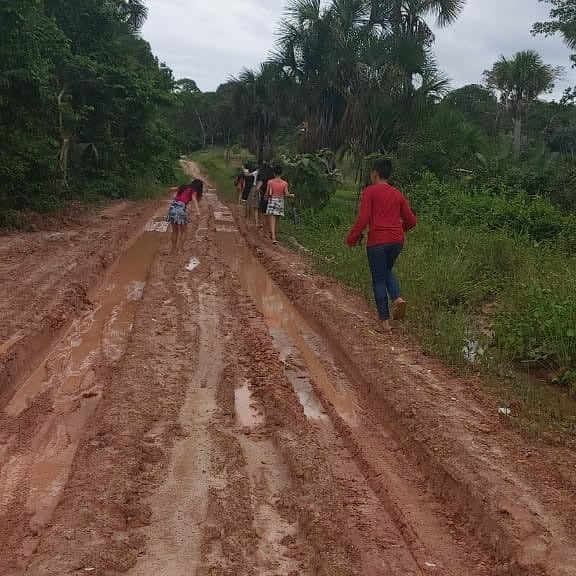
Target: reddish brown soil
[(191, 418)]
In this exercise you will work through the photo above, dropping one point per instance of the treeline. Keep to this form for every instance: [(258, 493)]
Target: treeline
[(83, 103), (86, 110), (360, 78)]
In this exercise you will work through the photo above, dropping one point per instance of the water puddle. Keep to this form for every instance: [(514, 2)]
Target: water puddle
[(225, 216), (247, 414), (69, 375), (292, 336), (296, 370), (156, 226)]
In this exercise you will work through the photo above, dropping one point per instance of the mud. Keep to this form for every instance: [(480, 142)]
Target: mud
[(223, 412)]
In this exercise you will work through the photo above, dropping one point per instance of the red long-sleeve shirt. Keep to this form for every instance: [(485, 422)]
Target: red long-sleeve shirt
[(387, 214)]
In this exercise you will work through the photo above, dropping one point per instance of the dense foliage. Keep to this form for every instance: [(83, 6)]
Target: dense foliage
[(313, 180), (82, 102), (490, 169)]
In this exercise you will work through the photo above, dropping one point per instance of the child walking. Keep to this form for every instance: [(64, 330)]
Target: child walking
[(177, 214), (277, 193), (386, 213)]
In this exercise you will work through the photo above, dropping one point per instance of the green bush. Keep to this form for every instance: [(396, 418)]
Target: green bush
[(461, 204), (311, 178)]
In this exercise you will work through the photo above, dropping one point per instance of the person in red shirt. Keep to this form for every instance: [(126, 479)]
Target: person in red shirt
[(177, 214), (387, 214)]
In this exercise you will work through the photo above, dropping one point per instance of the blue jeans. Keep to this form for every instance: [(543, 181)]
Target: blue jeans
[(381, 259)]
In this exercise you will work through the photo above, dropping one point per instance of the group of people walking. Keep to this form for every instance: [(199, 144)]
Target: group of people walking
[(384, 210), (263, 191)]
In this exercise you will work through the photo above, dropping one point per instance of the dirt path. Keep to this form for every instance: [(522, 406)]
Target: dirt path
[(192, 418)]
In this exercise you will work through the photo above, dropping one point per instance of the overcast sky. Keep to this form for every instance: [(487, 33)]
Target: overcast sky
[(212, 40)]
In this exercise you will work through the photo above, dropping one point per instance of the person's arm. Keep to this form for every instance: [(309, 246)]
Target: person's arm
[(196, 203), (409, 220), (363, 220), (287, 192)]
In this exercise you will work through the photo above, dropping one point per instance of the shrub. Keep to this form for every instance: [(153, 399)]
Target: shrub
[(312, 179)]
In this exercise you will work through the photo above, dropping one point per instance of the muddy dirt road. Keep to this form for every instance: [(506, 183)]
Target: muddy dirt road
[(224, 412)]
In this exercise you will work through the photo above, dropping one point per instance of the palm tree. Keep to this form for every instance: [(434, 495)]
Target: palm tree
[(132, 12), (520, 80), (354, 61), (256, 100), (409, 16)]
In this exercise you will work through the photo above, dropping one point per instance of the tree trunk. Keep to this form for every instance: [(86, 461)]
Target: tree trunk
[(64, 139), (517, 135), (202, 128)]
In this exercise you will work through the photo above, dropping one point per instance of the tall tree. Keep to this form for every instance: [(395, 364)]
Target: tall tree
[(520, 80), (562, 21), (359, 63), (82, 101), (479, 106), (256, 99)]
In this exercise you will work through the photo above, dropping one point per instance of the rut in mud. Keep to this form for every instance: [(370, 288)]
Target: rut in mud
[(197, 418)]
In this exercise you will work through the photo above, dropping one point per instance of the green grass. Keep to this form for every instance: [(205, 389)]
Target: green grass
[(515, 298), (220, 171)]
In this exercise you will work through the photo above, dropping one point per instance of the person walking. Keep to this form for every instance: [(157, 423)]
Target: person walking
[(239, 182), (177, 213), (251, 202), (386, 213), (277, 192), (248, 183), (264, 176)]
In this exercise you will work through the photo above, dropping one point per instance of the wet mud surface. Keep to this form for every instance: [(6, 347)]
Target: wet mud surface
[(224, 412)]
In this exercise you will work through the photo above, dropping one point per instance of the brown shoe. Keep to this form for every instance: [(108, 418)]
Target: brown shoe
[(399, 309)]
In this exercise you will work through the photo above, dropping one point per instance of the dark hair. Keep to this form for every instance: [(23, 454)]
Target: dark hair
[(198, 187), (277, 170), (383, 167)]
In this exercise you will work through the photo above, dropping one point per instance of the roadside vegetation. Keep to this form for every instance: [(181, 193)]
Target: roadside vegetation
[(83, 105)]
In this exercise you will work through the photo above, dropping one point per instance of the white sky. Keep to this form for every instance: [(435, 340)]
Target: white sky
[(212, 40)]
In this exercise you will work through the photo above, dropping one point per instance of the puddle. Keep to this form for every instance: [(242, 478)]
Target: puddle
[(69, 373), (226, 229), (297, 372), (156, 226), (225, 216), (247, 415), (291, 334)]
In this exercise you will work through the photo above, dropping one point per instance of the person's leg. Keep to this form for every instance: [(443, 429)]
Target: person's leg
[(174, 238), (399, 308), (392, 252), (378, 262), (183, 235), (273, 223)]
